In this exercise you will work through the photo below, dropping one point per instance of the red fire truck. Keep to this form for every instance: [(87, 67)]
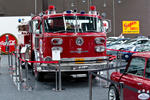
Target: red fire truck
[(77, 40)]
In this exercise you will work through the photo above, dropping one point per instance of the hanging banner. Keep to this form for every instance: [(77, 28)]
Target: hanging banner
[(7, 43), (130, 27)]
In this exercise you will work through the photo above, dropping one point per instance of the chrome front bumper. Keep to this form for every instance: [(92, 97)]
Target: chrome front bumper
[(69, 65), (72, 67)]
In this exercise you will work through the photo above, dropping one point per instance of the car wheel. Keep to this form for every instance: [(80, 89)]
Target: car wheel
[(113, 93)]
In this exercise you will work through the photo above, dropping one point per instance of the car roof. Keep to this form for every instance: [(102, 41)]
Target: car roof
[(142, 54)]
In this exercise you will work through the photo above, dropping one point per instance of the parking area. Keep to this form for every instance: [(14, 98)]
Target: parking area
[(74, 88)]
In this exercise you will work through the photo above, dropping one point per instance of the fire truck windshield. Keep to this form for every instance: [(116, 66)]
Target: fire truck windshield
[(71, 24)]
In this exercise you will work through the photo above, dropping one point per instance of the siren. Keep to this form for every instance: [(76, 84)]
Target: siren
[(51, 10), (93, 10)]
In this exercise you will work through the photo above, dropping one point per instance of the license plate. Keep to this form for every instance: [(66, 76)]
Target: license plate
[(81, 60)]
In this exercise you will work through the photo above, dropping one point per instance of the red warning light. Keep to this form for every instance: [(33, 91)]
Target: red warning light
[(92, 8), (51, 7)]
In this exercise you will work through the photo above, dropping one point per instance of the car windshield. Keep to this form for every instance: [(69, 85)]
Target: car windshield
[(137, 66), (73, 24), (129, 41)]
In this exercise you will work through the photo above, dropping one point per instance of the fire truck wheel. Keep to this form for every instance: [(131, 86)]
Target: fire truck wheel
[(113, 93), (39, 76)]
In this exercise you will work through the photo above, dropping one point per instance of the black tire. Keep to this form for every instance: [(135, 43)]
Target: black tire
[(113, 93), (39, 76)]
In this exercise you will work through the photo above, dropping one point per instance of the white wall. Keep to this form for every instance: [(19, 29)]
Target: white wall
[(10, 24)]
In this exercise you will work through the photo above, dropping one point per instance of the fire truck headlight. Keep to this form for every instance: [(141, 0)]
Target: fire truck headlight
[(56, 41), (99, 40), (58, 48), (99, 48)]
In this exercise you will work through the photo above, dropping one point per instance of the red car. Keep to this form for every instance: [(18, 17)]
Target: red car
[(136, 75)]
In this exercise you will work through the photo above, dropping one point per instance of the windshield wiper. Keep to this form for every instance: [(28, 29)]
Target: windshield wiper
[(91, 31), (60, 31)]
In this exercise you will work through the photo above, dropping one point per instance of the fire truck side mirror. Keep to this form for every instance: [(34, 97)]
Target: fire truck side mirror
[(23, 28), (106, 26)]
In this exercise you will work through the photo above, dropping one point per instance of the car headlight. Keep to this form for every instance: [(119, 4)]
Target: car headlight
[(99, 48)]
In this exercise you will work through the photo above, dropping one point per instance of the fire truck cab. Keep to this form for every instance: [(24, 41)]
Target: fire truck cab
[(77, 40)]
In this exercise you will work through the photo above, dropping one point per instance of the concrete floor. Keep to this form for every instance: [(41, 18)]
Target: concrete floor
[(74, 88)]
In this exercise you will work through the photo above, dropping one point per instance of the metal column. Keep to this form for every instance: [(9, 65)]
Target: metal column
[(90, 85)]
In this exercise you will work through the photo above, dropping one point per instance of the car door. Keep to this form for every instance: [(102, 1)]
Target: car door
[(146, 81), (134, 78)]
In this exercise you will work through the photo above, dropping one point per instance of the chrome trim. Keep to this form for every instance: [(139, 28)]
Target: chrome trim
[(73, 67), (59, 41), (98, 40), (85, 58), (79, 51)]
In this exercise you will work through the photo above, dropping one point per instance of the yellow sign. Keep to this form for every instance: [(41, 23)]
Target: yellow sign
[(131, 27)]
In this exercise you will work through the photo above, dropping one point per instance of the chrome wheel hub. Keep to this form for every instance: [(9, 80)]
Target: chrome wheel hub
[(112, 95)]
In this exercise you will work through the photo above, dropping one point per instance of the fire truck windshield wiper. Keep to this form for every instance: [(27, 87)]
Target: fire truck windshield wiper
[(60, 31), (91, 31)]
